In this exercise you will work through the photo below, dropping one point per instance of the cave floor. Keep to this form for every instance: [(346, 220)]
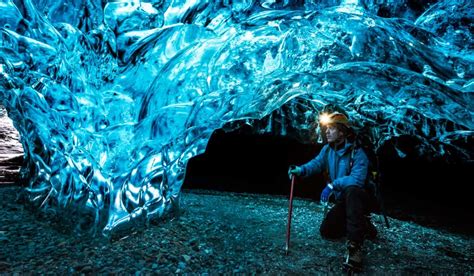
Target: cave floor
[(223, 233)]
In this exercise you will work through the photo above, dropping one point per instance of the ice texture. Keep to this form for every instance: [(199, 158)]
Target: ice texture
[(112, 98)]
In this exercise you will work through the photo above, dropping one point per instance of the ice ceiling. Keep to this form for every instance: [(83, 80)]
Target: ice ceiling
[(112, 98)]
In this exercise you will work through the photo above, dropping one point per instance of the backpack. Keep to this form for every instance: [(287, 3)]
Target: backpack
[(373, 179)]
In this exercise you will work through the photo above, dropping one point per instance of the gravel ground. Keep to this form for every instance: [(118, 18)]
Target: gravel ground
[(221, 233)]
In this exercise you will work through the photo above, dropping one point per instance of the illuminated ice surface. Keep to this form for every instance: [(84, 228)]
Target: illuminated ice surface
[(112, 99)]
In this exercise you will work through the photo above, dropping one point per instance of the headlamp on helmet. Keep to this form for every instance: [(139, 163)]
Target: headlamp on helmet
[(326, 119)]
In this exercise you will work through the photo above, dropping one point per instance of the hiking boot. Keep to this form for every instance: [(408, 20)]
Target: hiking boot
[(353, 260), (370, 230)]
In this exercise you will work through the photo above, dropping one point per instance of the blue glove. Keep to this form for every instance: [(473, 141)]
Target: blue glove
[(326, 193)]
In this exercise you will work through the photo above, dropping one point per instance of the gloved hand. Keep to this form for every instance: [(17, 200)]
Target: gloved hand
[(294, 170), (326, 193)]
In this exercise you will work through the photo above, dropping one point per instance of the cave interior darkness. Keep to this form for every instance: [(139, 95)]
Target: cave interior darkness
[(243, 162)]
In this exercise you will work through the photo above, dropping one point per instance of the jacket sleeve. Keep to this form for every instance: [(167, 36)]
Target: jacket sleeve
[(358, 173), (317, 164)]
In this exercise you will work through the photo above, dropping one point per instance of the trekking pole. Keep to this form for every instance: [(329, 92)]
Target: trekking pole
[(290, 210), (378, 194), (382, 211)]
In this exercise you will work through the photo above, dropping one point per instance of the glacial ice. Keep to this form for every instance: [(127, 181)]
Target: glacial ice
[(112, 98)]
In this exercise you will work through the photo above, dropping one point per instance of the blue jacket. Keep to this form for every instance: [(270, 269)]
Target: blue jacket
[(340, 173)]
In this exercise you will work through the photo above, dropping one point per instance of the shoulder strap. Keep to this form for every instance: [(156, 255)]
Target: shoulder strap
[(351, 160), (326, 157)]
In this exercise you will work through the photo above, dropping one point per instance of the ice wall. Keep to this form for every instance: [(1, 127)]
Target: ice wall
[(112, 98)]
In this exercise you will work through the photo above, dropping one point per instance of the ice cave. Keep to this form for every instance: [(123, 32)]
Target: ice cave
[(112, 99)]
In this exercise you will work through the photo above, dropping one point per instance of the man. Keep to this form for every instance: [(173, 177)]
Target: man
[(347, 172)]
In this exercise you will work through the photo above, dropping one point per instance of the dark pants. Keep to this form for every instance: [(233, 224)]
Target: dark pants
[(348, 217)]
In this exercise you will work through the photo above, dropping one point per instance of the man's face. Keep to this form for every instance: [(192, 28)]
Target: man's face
[(333, 134)]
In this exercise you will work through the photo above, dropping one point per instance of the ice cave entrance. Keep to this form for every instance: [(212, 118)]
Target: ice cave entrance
[(242, 161), (11, 150)]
